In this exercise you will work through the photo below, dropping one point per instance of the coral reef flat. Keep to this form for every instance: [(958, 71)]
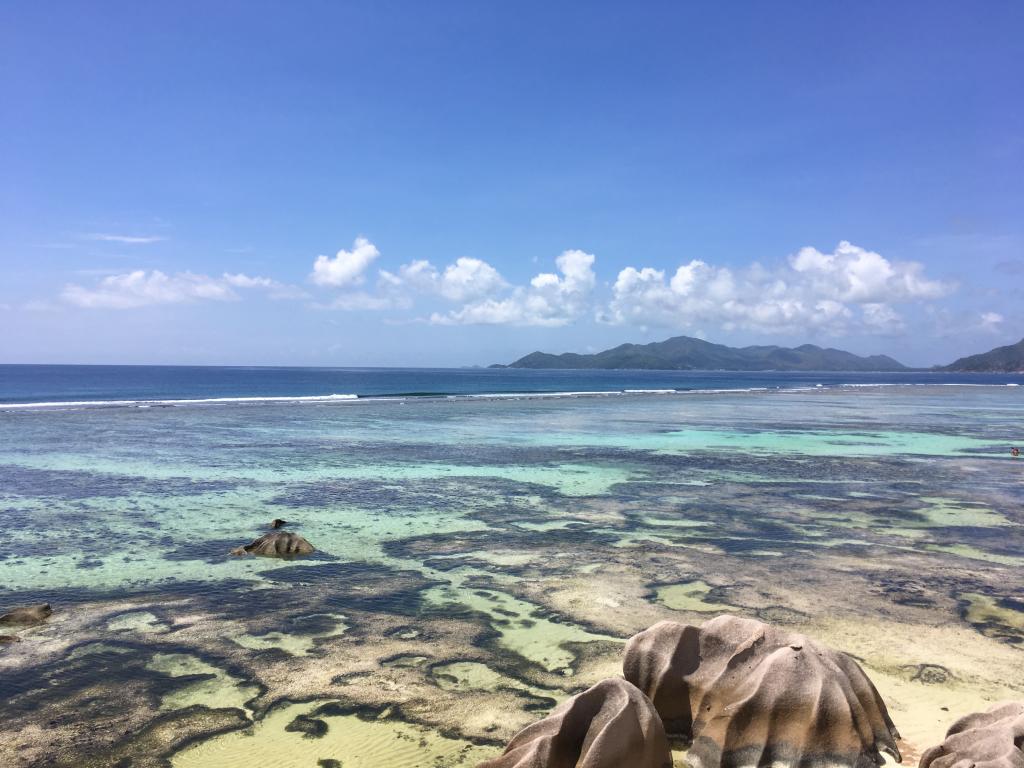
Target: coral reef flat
[(478, 562)]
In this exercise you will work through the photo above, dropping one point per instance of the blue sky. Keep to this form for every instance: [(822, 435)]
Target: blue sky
[(456, 183)]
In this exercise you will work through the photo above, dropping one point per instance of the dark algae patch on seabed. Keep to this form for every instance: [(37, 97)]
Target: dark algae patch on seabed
[(478, 562)]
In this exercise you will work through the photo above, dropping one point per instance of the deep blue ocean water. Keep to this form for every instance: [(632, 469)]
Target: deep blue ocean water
[(97, 383)]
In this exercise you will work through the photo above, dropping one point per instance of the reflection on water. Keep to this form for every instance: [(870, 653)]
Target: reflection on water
[(479, 561)]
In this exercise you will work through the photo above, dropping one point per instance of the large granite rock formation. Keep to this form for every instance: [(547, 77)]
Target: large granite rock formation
[(750, 694), (990, 739), (276, 544), (26, 616), (612, 725)]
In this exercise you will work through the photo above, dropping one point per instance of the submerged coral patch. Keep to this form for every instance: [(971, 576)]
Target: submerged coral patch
[(200, 683), (690, 596), (297, 643), (1001, 618)]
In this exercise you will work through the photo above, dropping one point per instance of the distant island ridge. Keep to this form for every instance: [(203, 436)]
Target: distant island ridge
[(685, 353), (1008, 359)]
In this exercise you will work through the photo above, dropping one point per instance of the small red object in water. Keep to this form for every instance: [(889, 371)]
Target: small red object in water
[(1015, 452)]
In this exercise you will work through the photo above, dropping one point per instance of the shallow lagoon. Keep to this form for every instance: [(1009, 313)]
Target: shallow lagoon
[(480, 560)]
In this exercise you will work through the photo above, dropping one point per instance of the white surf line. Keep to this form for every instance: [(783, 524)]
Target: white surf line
[(186, 401), (351, 398)]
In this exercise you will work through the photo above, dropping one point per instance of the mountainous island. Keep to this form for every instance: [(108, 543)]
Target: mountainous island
[(684, 353), (1008, 359)]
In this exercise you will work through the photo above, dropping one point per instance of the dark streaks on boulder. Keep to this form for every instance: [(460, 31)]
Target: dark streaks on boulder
[(607, 726), (747, 693)]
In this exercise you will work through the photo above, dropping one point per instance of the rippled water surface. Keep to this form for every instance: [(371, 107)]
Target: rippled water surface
[(479, 560)]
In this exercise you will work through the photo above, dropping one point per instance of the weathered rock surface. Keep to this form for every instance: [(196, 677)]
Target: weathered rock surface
[(990, 739), (27, 615), (611, 725), (9, 639), (276, 544), (748, 694)]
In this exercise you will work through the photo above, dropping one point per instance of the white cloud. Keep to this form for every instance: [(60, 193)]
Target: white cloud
[(244, 281), (274, 289), (124, 239), (464, 280), (881, 318), (990, 321), (813, 291), (468, 279), (857, 275), (347, 267), (145, 288), (549, 300)]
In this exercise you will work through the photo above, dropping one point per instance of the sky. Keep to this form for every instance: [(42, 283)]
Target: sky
[(460, 183)]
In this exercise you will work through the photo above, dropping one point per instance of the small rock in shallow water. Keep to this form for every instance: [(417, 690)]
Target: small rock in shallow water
[(930, 674), (28, 615), (8, 639), (747, 693), (310, 727), (277, 544), (991, 739), (278, 523), (611, 725)]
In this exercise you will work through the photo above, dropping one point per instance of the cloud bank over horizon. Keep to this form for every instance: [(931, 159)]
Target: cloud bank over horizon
[(848, 290)]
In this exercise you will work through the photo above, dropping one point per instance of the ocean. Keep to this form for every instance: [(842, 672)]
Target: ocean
[(104, 384), (487, 539)]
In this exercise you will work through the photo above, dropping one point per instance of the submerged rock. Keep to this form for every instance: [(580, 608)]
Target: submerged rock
[(310, 727), (747, 693), (27, 615), (276, 544), (608, 726), (990, 739)]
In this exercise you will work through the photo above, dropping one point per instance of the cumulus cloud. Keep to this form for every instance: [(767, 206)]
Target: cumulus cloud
[(854, 274), (142, 288), (346, 267), (464, 280), (549, 300), (813, 291)]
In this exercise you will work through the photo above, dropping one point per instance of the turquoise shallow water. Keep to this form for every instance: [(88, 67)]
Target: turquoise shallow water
[(444, 516), (114, 499)]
